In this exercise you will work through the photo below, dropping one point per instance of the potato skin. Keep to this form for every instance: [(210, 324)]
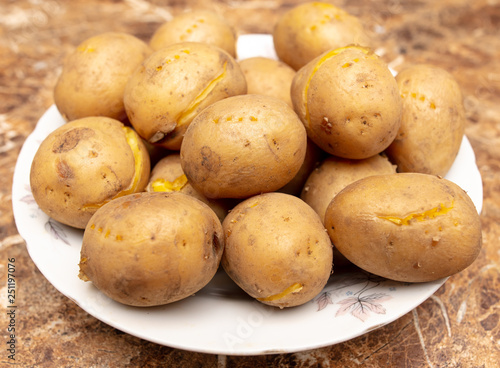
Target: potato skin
[(307, 30), (167, 176), (408, 227), (313, 158), (275, 242), (150, 249), (334, 173), (433, 121), (196, 26), (85, 163), (94, 75), (349, 102), (242, 146), (174, 84), (268, 77)]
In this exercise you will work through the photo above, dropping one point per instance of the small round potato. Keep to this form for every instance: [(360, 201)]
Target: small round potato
[(277, 250), (242, 146), (84, 164), (308, 30), (196, 26), (335, 173), (94, 75), (433, 121), (149, 249), (407, 227), (269, 77), (167, 176), (349, 102), (174, 84)]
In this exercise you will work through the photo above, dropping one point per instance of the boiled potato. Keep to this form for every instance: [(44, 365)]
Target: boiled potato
[(242, 146), (196, 26), (349, 102), (174, 84), (310, 29), (331, 176), (268, 77), (408, 227), (433, 121), (277, 250), (335, 173), (150, 249), (84, 164), (167, 176), (94, 75)]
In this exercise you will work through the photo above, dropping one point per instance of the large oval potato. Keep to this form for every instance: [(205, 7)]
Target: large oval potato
[(196, 26), (308, 30), (242, 146), (277, 250), (349, 102), (433, 121), (94, 75), (150, 249), (407, 227), (84, 164), (174, 84)]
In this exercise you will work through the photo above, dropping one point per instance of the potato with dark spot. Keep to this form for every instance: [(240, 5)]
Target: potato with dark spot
[(196, 26), (408, 227), (167, 176), (349, 102), (277, 250), (433, 121), (84, 164), (94, 75), (176, 83), (242, 146), (309, 29), (169, 257)]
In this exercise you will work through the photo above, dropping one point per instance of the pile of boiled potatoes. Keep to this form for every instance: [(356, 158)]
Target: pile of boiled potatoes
[(178, 158)]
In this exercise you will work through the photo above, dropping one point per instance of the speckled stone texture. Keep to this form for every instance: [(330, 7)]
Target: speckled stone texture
[(456, 327)]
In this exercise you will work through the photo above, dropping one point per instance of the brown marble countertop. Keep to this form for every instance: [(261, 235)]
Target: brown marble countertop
[(456, 327)]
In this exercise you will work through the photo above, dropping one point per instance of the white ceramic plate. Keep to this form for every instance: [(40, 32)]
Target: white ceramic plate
[(221, 319)]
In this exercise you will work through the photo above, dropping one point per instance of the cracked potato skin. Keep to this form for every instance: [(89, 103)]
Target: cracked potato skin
[(169, 257), (349, 102), (408, 227), (174, 84), (167, 176), (85, 163), (277, 250)]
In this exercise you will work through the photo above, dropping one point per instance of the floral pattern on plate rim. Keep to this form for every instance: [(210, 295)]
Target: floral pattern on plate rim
[(360, 303)]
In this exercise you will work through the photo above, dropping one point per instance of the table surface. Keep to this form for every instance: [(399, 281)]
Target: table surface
[(456, 327)]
